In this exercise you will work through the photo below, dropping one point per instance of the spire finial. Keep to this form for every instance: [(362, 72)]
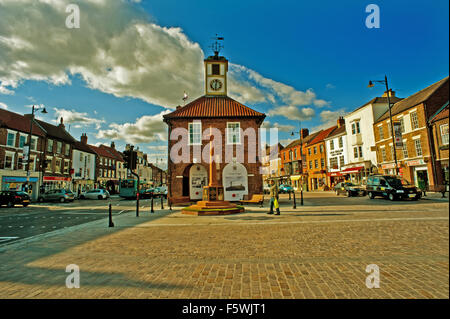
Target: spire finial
[(217, 46)]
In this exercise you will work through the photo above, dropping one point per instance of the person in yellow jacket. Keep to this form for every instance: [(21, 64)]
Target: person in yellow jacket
[(274, 198)]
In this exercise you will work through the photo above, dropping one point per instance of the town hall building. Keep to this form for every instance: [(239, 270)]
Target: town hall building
[(236, 141)]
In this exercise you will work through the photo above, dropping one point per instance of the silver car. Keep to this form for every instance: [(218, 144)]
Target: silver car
[(95, 194), (57, 195)]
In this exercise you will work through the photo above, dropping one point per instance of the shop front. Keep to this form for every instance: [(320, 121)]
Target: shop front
[(56, 182), (388, 169), (335, 178), (354, 174), (420, 174), (19, 183)]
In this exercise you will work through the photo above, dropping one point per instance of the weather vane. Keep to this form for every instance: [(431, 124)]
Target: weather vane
[(217, 46)]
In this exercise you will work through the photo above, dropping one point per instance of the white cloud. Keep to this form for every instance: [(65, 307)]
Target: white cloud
[(79, 118), (329, 118), (118, 51), (293, 112), (280, 127), (146, 129), (3, 106)]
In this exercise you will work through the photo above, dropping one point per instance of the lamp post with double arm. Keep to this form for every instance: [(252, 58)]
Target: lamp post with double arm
[(28, 152), (388, 93), (301, 167)]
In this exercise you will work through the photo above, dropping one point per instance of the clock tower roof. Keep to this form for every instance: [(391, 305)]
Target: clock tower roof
[(213, 107)]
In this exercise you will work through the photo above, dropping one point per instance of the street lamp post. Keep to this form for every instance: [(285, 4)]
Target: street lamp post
[(44, 111), (301, 167), (388, 93)]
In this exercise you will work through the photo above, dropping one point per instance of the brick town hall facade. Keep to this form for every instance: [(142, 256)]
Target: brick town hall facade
[(236, 149)]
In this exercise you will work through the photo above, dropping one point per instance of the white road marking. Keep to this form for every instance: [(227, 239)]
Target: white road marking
[(2, 239)]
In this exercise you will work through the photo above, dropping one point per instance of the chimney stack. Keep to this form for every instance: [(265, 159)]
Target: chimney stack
[(113, 145), (391, 93), (304, 133), (340, 121), (61, 123), (83, 138)]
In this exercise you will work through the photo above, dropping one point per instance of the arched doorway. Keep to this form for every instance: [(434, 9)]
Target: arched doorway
[(235, 181), (198, 178)]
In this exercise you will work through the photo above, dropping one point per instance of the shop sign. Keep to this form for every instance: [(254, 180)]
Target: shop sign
[(415, 162), (398, 135), (388, 166), (14, 179), (57, 179)]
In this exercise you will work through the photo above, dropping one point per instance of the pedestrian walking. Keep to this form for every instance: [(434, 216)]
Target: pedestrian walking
[(274, 198)]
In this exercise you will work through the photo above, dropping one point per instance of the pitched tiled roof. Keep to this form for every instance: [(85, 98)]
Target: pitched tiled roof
[(378, 100), (414, 99), (56, 131), (306, 140), (441, 115), (208, 106), (322, 135), (337, 131), (83, 147), (18, 122), (100, 151), (113, 152)]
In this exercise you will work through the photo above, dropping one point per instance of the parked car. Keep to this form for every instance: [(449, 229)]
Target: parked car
[(11, 198), (266, 189), (146, 193), (392, 187), (284, 188), (160, 191), (57, 195), (95, 194), (349, 189)]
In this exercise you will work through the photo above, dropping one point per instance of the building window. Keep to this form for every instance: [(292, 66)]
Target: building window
[(341, 142), (316, 164), (402, 124), (295, 153), (360, 151), (383, 155), (48, 167), (418, 146), (50, 146), (321, 148), (58, 167), (81, 157), (290, 155), (309, 151), (322, 163), (34, 143), (392, 152), (58, 147), (66, 149), (444, 134), (405, 150), (315, 149), (341, 161), (389, 129), (355, 128), (332, 145), (20, 163), (9, 160), (334, 162), (195, 133), (233, 133), (66, 167), (11, 140), (215, 69), (310, 164), (22, 141), (414, 120), (380, 130)]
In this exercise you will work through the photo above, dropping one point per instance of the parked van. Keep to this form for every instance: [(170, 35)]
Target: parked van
[(392, 187)]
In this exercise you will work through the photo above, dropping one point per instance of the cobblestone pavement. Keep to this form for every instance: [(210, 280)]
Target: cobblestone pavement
[(311, 252)]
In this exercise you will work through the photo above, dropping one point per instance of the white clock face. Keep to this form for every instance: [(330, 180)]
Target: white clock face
[(216, 84)]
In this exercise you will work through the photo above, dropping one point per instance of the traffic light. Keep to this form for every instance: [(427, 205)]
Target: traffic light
[(126, 158), (133, 160)]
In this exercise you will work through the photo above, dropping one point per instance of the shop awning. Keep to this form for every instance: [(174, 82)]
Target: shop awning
[(352, 170), (332, 174), (295, 178)]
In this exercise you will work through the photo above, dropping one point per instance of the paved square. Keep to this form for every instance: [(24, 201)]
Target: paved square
[(320, 250)]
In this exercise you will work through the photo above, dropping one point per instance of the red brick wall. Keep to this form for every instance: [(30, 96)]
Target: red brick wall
[(254, 182)]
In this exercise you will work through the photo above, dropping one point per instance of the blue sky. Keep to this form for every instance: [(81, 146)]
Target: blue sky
[(320, 52)]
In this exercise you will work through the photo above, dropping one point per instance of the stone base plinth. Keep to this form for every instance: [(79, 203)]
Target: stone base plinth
[(207, 208)]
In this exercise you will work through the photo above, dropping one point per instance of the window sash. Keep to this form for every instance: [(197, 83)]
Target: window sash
[(444, 134), (195, 133), (11, 139), (380, 129), (414, 120), (418, 146), (22, 141), (341, 142), (233, 133)]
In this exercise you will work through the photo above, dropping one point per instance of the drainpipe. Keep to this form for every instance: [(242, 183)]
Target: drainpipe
[(430, 144)]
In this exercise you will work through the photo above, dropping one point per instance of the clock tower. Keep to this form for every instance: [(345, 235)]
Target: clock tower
[(216, 68)]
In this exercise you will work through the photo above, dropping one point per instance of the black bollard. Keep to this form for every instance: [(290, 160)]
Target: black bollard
[(170, 203), (162, 202), (289, 195), (152, 210), (295, 203), (111, 224), (137, 204)]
